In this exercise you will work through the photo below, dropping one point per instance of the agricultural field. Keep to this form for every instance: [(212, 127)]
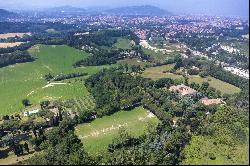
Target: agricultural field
[(84, 103), (26, 80), (7, 35), (6, 45), (123, 43), (97, 135), (158, 72)]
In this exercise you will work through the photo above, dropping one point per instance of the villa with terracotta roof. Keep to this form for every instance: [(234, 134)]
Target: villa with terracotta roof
[(183, 89), (207, 101)]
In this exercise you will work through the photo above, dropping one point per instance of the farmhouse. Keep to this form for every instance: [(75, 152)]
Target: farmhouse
[(182, 89), (207, 101), (27, 113)]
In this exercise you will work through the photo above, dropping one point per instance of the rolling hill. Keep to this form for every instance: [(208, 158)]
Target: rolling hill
[(5, 13)]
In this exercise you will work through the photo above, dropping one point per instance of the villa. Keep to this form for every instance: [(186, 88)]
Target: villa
[(183, 89)]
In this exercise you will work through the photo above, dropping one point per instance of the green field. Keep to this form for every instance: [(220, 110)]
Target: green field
[(157, 73), (26, 80), (98, 134), (197, 152), (123, 43), (217, 84)]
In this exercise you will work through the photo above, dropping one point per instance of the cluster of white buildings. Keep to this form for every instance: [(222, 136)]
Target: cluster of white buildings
[(238, 71), (229, 49), (145, 44)]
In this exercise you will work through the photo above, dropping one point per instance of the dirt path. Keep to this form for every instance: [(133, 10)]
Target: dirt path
[(30, 93), (53, 84)]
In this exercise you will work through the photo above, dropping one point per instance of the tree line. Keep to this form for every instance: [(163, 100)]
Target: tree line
[(15, 57), (60, 77)]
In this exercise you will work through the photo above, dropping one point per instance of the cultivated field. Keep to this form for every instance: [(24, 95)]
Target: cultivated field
[(84, 103), (157, 73), (97, 135), (6, 45), (26, 80), (7, 35)]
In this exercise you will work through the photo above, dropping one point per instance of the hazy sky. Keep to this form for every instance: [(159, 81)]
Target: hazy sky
[(214, 7)]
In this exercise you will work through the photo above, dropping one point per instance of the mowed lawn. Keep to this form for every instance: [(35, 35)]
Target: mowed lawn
[(26, 80), (157, 73), (97, 135)]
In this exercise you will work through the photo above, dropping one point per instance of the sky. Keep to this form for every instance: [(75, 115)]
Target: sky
[(210, 7)]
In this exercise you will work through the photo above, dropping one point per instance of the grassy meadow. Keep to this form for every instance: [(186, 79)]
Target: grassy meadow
[(97, 135), (26, 80), (123, 43), (199, 149)]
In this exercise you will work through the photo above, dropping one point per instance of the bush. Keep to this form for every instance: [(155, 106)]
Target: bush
[(203, 74), (193, 72), (212, 156)]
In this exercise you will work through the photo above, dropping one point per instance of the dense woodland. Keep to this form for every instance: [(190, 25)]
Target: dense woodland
[(23, 27), (15, 57)]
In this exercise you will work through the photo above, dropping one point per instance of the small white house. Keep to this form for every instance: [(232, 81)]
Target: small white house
[(27, 113)]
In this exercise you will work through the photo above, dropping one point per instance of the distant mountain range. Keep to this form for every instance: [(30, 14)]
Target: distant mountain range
[(66, 10), (5, 13), (130, 10), (75, 11), (138, 10)]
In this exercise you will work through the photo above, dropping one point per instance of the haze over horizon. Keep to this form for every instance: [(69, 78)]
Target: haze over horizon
[(234, 8)]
